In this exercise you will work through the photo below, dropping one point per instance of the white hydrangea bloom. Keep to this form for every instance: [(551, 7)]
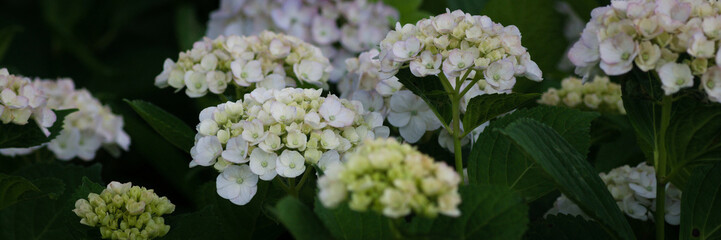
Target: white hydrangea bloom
[(279, 131), (21, 100), (269, 60), (237, 184), (598, 95), (634, 189), (363, 24), (411, 115), (653, 34)]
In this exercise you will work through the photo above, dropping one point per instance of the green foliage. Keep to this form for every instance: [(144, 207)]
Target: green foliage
[(300, 220), (12, 188), (187, 28), (489, 106), (6, 37), (566, 227), (203, 224), (572, 174), (583, 8), (344, 223), (408, 10), (701, 204), (430, 89), (495, 159), (170, 127), (472, 7), (30, 134)]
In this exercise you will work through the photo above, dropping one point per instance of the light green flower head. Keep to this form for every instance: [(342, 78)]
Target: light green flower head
[(391, 178), (123, 211), (598, 95)]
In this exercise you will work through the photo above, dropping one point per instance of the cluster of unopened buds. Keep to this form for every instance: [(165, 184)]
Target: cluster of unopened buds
[(634, 189), (123, 211), (674, 39), (341, 28), (278, 132), (597, 95), (269, 60), (21, 101), (391, 178), (84, 131)]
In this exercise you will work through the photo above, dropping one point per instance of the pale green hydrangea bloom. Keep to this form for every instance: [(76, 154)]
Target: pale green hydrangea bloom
[(391, 178), (598, 95), (123, 211)]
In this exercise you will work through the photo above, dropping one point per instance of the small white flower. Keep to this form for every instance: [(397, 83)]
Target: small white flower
[(675, 76), (216, 81), (427, 64), (328, 159), (329, 140), (308, 70), (263, 164), (500, 75), (206, 150), (701, 47), (372, 101), (387, 87), (161, 80), (196, 84), (65, 145), (648, 56), (335, 113), (247, 72), (458, 61), (296, 139), (290, 164), (533, 72), (282, 113), (207, 127), (253, 131), (711, 82), (324, 30), (237, 184), (617, 54), (444, 23), (279, 49), (236, 150), (411, 115), (407, 49)]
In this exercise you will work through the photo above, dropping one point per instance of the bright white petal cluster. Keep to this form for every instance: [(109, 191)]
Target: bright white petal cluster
[(20, 101), (676, 39), (598, 95), (393, 179), (634, 189), (268, 60), (454, 43), (341, 28), (278, 132)]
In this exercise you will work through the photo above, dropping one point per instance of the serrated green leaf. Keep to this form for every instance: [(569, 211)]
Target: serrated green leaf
[(495, 159), (87, 187), (300, 220), (572, 174), (347, 224), (430, 89), (30, 134), (485, 107), (487, 212), (701, 204), (566, 227), (12, 188), (170, 127), (187, 27)]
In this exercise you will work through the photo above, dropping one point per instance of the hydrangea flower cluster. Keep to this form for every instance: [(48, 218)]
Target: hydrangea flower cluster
[(277, 132), (676, 39), (393, 179), (456, 42), (269, 60), (123, 211), (598, 95), (341, 28), (20, 101), (634, 189), (92, 126)]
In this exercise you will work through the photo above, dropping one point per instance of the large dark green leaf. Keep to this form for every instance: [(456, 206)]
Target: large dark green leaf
[(12, 188), (430, 89), (187, 28), (701, 204), (572, 174), (347, 224), (494, 158), (300, 220), (487, 212), (49, 218), (485, 107), (6, 37), (641, 92), (560, 227), (30, 134), (408, 10), (200, 225), (170, 127)]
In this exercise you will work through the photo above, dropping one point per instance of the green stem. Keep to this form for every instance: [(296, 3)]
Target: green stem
[(291, 184), (660, 157), (238, 93), (446, 84), (281, 184), (392, 224), (455, 102), (223, 98), (308, 169)]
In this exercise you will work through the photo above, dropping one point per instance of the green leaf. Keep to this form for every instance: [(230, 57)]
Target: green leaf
[(430, 89), (6, 37), (487, 212), (344, 223), (408, 10), (485, 107), (495, 159), (170, 127), (201, 225), (30, 134), (49, 218), (701, 204), (583, 8), (473, 7), (572, 174), (87, 187), (12, 188), (187, 28), (639, 95), (566, 227), (300, 220)]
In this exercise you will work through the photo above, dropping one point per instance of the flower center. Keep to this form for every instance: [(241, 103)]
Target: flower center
[(497, 77), (291, 165), (710, 84), (649, 188), (644, 56), (274, 145), (680, 81), (264, 164), (198, 85), (625, 56), (304, 75), (239, 180), (244, 75), (332, 118), (295, 142), (255, 135), (429, 66), (414, 112), (462, 65), (372, 109)]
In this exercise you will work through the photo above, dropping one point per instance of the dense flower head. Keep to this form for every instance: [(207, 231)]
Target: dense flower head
[(676, 39), (123, 211), (278, 132), (634, 189), (341, 28), (21, 101), (269, 60), (598, 95), (454, 43), (393, 179)]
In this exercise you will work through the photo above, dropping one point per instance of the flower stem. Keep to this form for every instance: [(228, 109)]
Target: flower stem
[(660, 156), (291, 184), (302, 179), (392, 224), (455, 102)]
